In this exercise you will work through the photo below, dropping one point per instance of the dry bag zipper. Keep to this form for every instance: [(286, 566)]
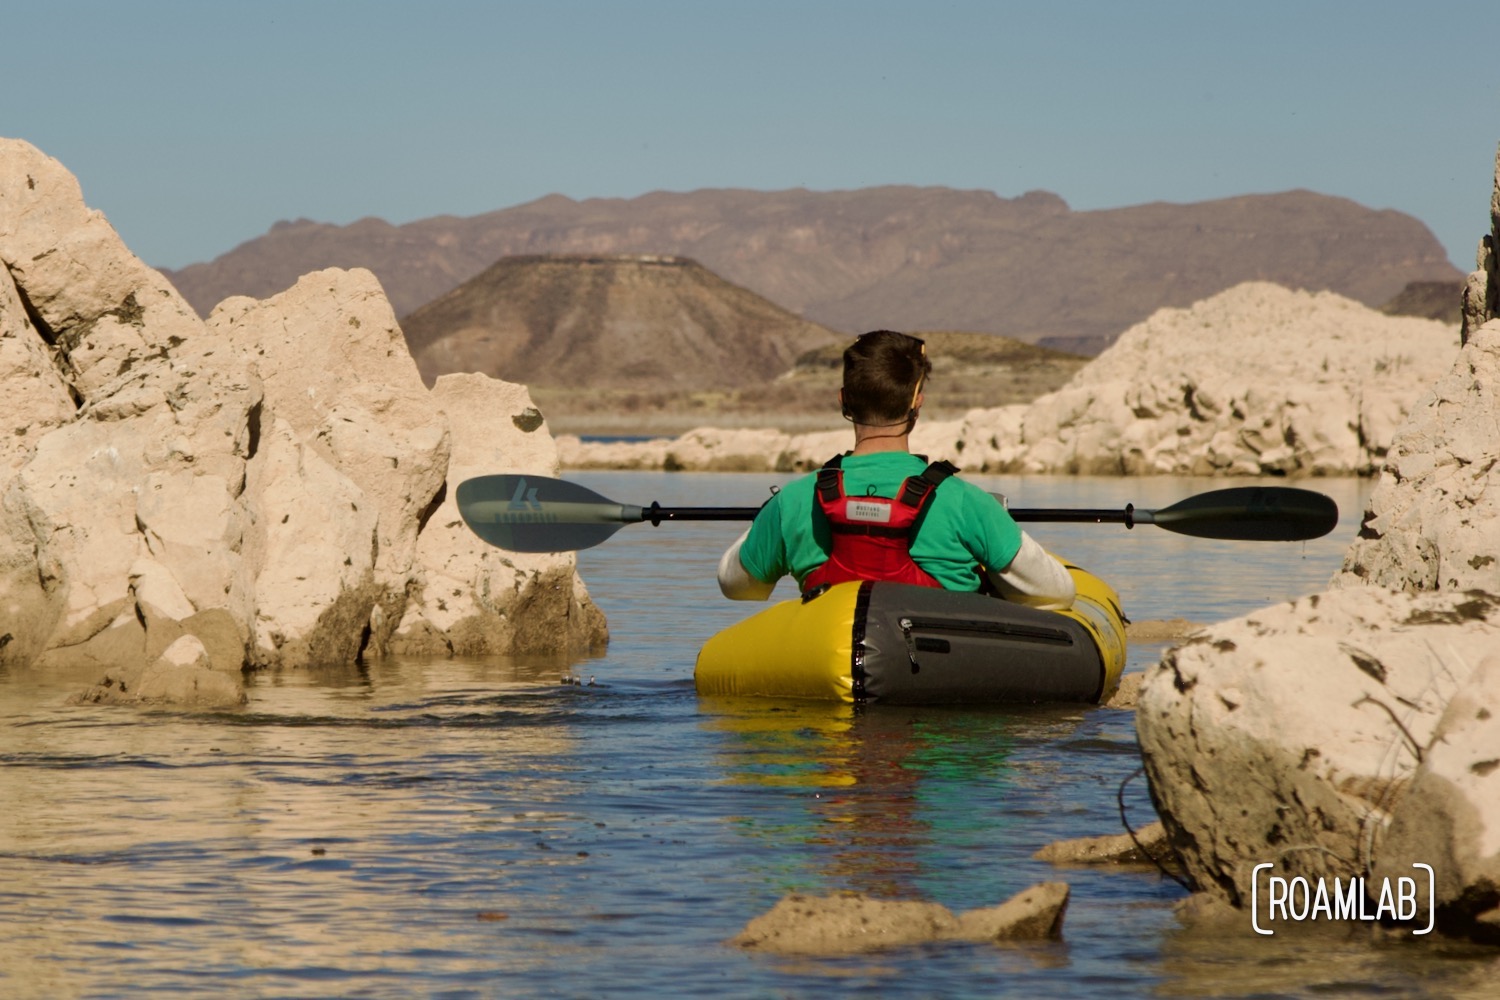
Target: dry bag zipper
[(969, 626)]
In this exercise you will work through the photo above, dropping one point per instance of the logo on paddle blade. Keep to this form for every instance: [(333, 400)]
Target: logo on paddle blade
[(524, 498)]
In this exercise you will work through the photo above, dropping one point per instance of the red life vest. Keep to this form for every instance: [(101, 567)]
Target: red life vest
[(872, 536)]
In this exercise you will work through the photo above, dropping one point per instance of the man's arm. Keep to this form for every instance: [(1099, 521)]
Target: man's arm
[(1035, 578), (735, 582)]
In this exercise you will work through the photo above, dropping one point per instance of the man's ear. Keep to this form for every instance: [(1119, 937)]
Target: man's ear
[(843, 406)]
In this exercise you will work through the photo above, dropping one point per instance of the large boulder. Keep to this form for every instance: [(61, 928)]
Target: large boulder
[(352, 422), (181, 499), (1289, 736), (133, 503)]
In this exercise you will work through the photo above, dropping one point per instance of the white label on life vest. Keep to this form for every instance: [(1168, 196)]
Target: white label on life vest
[(864, 510)]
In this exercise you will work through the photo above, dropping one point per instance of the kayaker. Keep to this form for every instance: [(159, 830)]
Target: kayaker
[(879, 512)]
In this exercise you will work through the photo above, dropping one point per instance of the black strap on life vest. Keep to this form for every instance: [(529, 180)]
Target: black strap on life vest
[(916, 491)]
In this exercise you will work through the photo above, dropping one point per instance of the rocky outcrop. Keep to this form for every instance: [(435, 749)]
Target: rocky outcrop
[(1364, 715), (1327, 705), (118, 520), (180, 499), (1257, 380), (473, 599), (1481, 296), (1433, 520), (854, 924), (353, 454)]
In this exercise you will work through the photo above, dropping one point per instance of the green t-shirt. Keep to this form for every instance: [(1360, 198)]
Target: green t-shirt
[(965, 526)]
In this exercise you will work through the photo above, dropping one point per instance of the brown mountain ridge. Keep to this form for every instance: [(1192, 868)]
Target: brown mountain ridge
[(897, 257)]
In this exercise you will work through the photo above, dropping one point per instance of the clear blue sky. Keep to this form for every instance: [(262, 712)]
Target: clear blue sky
[(196, 125)]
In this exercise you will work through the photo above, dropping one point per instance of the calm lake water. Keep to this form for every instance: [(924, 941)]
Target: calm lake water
[(477, 828)]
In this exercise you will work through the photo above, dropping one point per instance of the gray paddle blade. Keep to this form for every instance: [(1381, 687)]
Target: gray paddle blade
[(1251, 514), (537, 514)]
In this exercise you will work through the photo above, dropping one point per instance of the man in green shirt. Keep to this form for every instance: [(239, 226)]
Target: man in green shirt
[(961, 530)]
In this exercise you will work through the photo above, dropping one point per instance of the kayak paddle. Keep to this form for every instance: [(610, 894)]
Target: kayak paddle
[(524, 513)]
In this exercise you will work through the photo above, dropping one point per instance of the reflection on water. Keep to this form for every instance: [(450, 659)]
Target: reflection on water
[(477, 828), (889, 785)]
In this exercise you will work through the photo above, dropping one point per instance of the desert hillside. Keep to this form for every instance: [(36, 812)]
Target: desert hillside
[(625, 321), (898, 257)]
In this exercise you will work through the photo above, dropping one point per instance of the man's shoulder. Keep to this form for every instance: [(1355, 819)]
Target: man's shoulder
[(957, 489)]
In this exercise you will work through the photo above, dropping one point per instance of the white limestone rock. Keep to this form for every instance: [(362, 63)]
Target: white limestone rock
[(1433, 520), (1287, 736), (105, 309), (470, 597), (1256, 380), (312, 549), (988, 438), (36, 398), (153, 467), (248, 496), (350, 392)]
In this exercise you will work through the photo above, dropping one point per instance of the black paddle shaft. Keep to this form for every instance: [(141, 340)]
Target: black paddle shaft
[(656, 513), (538, 514), (1129, 517)]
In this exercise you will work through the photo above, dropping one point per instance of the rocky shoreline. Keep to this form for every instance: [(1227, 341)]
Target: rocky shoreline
[(182, 500)]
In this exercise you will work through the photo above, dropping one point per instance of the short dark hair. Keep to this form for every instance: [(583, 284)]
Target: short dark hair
[(883, 371)]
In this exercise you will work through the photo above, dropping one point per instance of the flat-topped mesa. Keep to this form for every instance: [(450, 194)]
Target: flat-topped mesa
[(583, 323), (181, 500), (647, 259)]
